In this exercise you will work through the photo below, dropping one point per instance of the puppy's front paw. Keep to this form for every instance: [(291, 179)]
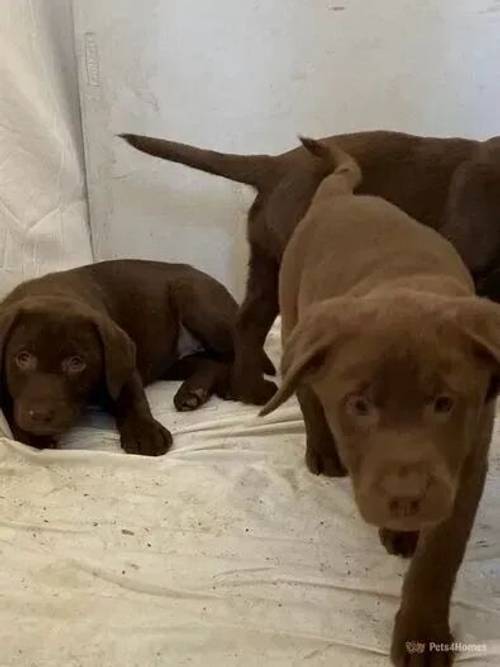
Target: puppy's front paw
[(145, 436), (321, 464), (399, 543), (421, 641)]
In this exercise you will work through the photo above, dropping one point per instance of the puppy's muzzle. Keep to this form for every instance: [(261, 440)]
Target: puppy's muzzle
[(43, 418), (404, 496)]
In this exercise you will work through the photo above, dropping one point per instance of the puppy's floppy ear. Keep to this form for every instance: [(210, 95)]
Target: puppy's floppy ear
[(479, 319), (119, 354), (8, 315), (309, 343)]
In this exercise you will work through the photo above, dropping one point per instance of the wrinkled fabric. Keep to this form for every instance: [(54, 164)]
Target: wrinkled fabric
[(43, 209)]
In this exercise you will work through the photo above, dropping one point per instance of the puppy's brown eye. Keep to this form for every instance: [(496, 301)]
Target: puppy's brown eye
[(443, 405), (25, 360), (361, 408), (73, 365)]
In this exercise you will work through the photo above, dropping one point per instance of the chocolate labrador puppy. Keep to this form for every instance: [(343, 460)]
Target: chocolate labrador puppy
[(395, 363), (101, 332), (452, 185)]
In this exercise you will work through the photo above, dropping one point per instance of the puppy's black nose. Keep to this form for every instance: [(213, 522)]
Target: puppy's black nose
[(402, 507), (41, 415)]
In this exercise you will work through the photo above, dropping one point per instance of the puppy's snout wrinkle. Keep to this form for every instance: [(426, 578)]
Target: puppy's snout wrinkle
[(406, 480)]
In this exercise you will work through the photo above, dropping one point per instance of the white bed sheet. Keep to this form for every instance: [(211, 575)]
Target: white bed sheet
[(225, 551), (43, 207)]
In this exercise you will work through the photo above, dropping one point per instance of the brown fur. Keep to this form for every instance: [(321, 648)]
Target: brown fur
[(123, 320), (452, 185), (394, 361)]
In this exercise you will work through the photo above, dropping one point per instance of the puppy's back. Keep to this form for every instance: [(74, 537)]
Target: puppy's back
[(350, 244)]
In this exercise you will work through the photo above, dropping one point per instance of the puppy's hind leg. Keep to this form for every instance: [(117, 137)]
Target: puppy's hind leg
[(203, 377), (256, 315), (321, 450)]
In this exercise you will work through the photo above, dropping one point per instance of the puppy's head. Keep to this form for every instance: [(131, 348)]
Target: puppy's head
[(404, 383), (55, 353)]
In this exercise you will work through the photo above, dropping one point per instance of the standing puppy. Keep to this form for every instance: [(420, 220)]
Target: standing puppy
[(394, 363), (99, 333)]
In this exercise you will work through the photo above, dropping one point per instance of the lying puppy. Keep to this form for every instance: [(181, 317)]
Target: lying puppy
[(394, 363), (450, 184), (101, 332)]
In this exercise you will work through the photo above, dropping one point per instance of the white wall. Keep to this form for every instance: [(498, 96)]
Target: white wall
[(43, 209), (248, 76)]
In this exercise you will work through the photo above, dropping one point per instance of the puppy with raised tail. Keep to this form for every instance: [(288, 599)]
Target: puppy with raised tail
[(394, 361)]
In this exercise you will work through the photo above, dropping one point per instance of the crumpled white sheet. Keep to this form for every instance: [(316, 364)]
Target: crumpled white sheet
[(43, 208), (225, 551)]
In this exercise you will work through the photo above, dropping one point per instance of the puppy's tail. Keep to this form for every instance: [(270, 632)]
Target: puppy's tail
[(260, 171), (337, 162)]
